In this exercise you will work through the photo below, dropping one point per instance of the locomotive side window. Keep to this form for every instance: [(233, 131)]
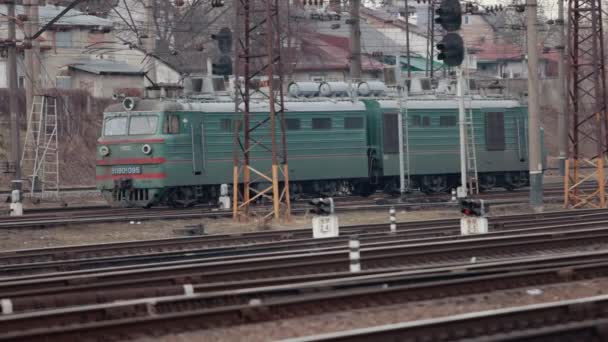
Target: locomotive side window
[(145, 124), (416, 121), (495, 131), (353, 123), (321, 123), (447, 121), (115, 126), (226, 125), (390, 127), (292, 124), (426, 121), (171, 125)]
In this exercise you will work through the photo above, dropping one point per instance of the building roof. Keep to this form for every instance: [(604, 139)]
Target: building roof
[(105, 67), (326, 52), (391, 18), (489, 51), (72, 18)]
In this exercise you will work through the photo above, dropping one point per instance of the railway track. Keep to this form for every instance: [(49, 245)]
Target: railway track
[(418, 255), (222, 244), (573, 320), (191, 310), (117, 291), (48, 217)]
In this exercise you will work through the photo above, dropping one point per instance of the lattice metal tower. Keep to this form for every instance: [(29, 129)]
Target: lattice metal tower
[(586, 106), (41, 148), (260, 148)]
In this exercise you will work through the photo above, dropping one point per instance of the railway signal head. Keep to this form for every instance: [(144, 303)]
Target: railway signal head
[(472, 208), (222, 67), (451, 49), (322, 206), (449, 15), (224, 40)]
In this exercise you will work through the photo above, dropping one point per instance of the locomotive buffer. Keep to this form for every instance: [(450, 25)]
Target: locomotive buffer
[(324, 220)]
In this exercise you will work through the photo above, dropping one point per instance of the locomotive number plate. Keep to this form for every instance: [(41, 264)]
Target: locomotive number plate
[(126, 170)]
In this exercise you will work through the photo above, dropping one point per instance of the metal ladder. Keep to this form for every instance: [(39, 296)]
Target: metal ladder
[(41, 149), (472, 176)]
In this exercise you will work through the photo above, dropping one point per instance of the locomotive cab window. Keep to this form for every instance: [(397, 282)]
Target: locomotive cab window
[(115, 126), (292, 124), (495, 131), (171, 124), (353, 122), (144, 124), (321, 123)]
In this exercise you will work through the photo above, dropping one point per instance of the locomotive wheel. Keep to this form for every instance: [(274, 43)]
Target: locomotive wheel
[(514, 180), (487, 182), (364, 189), (434, 184)]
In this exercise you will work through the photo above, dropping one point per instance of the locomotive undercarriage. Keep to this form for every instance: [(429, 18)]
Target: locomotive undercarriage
[(188, 196)]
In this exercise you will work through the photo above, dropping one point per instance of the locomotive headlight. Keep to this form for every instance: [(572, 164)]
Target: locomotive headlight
[(147, 149), (104, 151)]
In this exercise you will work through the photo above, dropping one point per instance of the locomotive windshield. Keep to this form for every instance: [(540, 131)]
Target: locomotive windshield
[(115, 126), (134, 125), (145, 124)]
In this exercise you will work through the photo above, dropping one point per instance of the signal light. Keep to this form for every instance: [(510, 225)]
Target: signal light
[(224, 40), (222, 67), (451, 49), (322, 206), (449, 15), (473, 208)]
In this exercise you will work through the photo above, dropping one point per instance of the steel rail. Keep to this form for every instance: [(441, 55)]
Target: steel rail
[(433, 234), (419, 255), (253, 306), (216, 240), (483, 324), (278, 287)]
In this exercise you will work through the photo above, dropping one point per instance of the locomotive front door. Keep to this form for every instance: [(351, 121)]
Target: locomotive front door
[(198, 148), (390, 133)]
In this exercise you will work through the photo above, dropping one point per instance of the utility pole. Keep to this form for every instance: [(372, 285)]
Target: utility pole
[(462, 190), (535, 163), (402, 185), (562, 120), (32, 49), (407, 39), (150, 6), (13, 86), (355, 40)]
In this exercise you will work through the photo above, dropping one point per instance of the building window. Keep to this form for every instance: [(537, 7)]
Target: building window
[(426, 121), (353, 123), (447, 121), (292, 124), (63, 39), (321, 123), (226, 125), (171, 124)]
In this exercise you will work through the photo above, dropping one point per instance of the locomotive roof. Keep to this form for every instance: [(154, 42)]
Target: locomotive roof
[(149, 105), (450, 103), (228, 107)]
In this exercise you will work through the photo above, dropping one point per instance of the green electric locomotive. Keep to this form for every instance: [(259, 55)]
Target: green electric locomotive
[(179, 152)]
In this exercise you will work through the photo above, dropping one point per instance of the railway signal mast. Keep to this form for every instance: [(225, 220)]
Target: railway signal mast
[(451, 52)]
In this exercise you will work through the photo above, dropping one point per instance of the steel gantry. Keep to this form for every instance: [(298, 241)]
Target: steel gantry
[(260, 169), (586, 85)]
